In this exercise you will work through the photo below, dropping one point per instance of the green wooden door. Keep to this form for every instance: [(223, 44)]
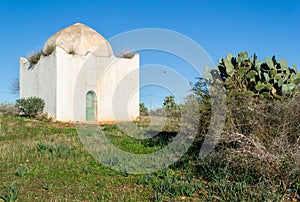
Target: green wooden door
[(90, 107)]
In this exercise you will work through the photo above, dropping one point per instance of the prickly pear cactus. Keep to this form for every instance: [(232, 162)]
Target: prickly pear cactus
[(269, 79)]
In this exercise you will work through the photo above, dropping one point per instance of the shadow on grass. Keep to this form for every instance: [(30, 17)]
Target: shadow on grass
[(162, 139)]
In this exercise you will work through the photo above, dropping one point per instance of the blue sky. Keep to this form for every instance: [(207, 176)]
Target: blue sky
[(266, 27)]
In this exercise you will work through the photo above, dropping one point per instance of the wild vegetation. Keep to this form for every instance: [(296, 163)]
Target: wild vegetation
[(261, 137), (270, 79), (127, 54), (35, 57), (15, 86), (30, 107), (257, 156)]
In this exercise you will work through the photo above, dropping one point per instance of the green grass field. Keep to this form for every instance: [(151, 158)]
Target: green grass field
[(45, 161)]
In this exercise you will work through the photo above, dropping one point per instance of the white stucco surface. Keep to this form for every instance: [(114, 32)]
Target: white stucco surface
[(40, 81), (80, 39), (63, 81)]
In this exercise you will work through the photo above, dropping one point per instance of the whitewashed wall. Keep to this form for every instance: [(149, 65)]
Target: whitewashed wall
[(40, 81), (63, 81)]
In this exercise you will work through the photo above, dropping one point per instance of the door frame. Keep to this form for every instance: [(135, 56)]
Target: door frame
[(95, 106)]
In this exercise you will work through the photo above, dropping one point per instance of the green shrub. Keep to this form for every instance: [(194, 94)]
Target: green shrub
[(31, 106)]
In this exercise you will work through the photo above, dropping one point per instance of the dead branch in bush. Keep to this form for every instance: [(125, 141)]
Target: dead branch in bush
[(267, 132), (250, 145)]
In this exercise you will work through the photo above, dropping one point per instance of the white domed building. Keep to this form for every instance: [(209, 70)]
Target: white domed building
[(80, 78)]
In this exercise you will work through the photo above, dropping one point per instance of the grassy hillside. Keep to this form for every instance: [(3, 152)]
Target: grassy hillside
[(45, 161)]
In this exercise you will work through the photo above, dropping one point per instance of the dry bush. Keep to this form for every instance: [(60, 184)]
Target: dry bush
[(8, 109), (35, 57), (127, 55), (266, 132), (49, 50)]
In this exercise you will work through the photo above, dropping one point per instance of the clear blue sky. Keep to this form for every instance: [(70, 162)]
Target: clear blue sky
[(266, 27)]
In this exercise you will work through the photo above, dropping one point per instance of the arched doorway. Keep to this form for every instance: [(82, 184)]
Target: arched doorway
[(91, 107)]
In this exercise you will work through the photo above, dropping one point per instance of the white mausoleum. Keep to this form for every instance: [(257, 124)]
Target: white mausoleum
[(82, 79)]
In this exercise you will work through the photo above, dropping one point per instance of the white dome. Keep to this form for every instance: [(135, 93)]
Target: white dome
[(80, 39)]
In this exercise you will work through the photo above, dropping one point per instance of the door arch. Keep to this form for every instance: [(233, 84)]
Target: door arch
[(91, 107)]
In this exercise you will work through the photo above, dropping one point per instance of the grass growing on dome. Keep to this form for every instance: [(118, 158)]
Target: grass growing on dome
[(35, 57), (72, 51), (127, 55), (49, 50)]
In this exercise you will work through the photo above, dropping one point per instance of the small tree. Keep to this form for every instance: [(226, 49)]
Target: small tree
[(31, 106), (170, 106), (15, 87), (143, 110), (169, 103)]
